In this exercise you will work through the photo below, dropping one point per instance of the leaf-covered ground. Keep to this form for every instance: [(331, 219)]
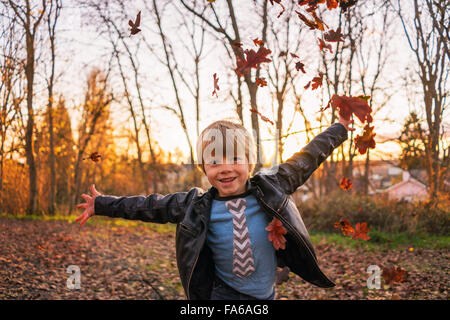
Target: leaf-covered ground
[(135, 262)]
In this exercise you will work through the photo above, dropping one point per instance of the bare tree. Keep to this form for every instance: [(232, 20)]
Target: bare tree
[(171, 64), (356, 67), (10, 95), (118, 40), (29, 17), (54, 11), (372, 58), (427, 29), (232, 38), (97, 100), (282, 72)]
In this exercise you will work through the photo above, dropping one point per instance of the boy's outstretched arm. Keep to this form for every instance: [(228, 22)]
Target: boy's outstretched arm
[(296, 170), (153, 208)]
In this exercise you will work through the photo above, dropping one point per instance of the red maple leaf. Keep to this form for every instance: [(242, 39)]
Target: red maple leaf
[(261, 82), (392, 274), (361, 231), (366, 140), (316, 82), (345, 226), (332, 4), (253, 60), (276, 234), (323, 45), (349, 105), (334, 36), (345, 183), (258, 42), (216, 85)]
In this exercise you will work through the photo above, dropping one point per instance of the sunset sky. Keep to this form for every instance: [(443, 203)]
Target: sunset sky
[(81, 47)]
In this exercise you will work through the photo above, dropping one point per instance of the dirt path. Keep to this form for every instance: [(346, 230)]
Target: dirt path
[(118, 262)]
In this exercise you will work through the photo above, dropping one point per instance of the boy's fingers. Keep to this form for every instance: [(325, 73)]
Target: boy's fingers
[(79, 217), (84, 220), (93, 190), (81, 205), (86, 197)]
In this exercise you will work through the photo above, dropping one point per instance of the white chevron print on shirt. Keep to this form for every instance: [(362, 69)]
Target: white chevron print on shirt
[(243, 263)]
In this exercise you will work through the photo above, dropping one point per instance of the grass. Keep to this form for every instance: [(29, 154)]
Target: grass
[(378, 239), (99, 220), (381, 240)]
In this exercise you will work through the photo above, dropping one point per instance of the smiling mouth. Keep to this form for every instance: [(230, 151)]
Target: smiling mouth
[(226, 180)]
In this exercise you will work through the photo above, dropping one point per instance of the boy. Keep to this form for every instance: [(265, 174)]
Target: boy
[(222, 246)]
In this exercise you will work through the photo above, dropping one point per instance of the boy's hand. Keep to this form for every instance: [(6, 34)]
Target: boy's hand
[(88, 206), (346, 123)]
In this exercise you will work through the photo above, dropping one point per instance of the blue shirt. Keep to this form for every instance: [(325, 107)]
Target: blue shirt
[(260, 284)]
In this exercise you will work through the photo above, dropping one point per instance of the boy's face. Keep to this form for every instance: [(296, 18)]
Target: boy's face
[(228, 177)]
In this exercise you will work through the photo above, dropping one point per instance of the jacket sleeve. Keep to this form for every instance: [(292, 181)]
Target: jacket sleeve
[(296, 170), (153, 208)]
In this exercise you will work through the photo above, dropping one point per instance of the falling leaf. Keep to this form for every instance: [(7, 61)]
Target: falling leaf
[(311, 24), (351, 105), (253, 60), (366, 140), (333, 36), (345, 183), (276, 234), (135, 25), (319, 22), (261, 82), (392, 274), (345, 4), (345, 226), (300, 66), (323, 45), (316, 82), (95, 156), (258, 42), (216, 85), (361, 231), (332, 4)]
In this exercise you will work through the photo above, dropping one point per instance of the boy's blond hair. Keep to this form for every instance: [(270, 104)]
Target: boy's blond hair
[(234, 137)]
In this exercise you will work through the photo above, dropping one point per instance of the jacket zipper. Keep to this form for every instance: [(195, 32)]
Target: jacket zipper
[(193, 267)]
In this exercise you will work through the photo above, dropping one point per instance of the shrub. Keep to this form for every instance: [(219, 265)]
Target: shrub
[(380, 214)]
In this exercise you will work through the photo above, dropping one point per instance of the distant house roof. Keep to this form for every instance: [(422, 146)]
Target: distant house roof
[(403, 183)]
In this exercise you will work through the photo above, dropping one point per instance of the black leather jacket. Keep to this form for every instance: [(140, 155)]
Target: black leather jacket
[(191, 212)]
